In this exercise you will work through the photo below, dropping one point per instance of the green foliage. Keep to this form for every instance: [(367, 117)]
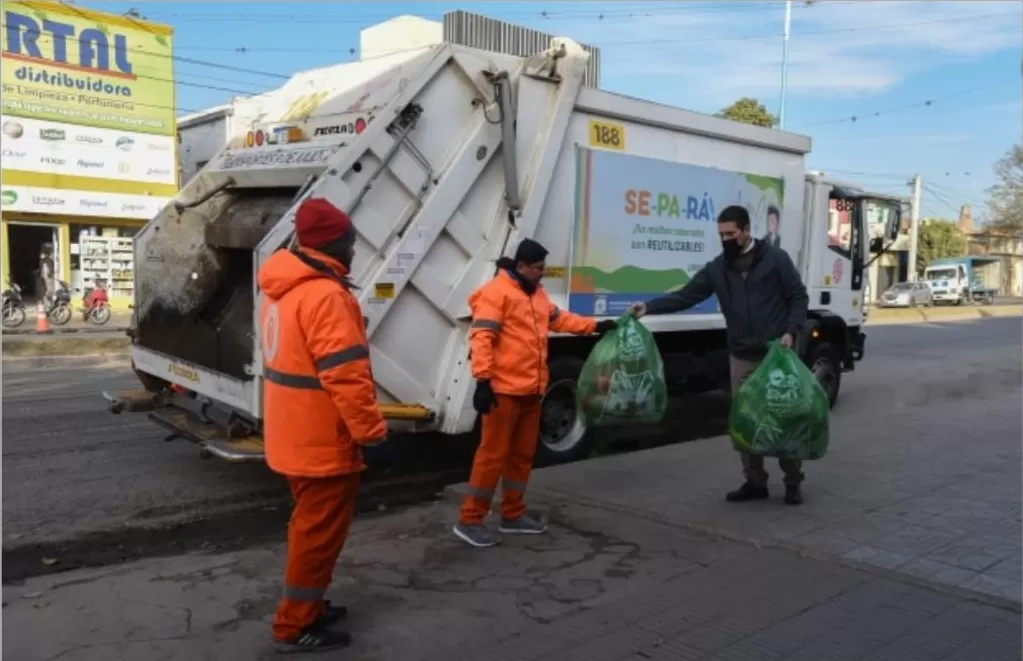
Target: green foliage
[(1005, 198), (749, 111), (938, 238), (632, 279)]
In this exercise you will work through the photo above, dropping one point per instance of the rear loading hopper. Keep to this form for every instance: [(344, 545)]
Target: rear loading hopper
[(415, 156)]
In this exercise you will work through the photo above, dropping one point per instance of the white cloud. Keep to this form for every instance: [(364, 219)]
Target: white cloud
[(850, 47)]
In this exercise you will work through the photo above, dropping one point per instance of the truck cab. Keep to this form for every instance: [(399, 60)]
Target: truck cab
[(959, 280), (847, 225)]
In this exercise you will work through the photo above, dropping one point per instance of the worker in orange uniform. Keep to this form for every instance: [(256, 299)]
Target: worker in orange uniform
[(319, 412), (511, 318)]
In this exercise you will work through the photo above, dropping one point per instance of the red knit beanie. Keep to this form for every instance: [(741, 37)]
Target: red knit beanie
[(318, 222)]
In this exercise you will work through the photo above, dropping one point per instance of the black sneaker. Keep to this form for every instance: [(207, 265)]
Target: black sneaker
[(313, 640), (331, 615), (747, 492), (793, 494)]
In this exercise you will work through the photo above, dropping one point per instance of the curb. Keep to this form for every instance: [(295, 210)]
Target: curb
[(62, 346), (883, 316), (60, 330)]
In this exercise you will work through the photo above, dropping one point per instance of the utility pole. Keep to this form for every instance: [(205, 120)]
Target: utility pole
[(785, 59), (914, 228), (785, 63)]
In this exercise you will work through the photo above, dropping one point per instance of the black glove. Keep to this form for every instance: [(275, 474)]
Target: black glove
[(483, 399), (605, 326)]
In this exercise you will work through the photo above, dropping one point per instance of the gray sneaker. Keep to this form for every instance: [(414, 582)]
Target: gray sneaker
[(475, 535), (524, 525)]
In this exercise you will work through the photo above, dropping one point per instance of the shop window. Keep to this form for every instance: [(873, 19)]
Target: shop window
[(103, 255)]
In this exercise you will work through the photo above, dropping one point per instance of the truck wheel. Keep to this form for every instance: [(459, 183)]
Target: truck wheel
[(822, 360), (563, 436)]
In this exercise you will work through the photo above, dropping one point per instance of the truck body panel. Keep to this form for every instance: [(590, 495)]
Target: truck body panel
[(445, 159), (960, 280)]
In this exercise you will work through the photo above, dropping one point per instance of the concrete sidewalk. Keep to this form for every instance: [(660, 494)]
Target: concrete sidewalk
[(907, 486), (602, 585)]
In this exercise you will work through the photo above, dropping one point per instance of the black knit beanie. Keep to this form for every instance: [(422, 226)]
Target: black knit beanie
[(530, 252)]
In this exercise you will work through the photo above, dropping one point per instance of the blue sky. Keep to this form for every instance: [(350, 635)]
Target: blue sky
[(847, 58)]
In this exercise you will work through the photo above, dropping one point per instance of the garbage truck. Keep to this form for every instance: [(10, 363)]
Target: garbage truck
[(958, 280), (445, 161)]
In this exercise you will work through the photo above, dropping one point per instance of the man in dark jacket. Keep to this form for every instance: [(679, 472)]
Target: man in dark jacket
[(762, 298)]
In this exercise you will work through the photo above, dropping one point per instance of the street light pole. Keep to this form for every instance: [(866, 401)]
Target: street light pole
[(785, 62)]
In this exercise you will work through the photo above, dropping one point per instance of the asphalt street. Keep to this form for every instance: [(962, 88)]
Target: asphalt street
[(74, 475)]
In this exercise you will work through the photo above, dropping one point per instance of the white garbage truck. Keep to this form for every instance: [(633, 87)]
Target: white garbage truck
[(445, 159)]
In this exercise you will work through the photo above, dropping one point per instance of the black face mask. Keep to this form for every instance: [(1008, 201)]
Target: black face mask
[(731, 248)]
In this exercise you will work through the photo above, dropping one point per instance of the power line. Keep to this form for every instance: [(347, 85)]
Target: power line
[(184, 60), (645, 42), (941, 199), (919, 104), (656, 9)]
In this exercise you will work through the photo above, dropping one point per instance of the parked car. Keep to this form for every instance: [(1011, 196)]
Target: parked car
[(907, 295)]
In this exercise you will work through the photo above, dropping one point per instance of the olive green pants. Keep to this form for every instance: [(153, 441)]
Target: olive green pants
[(752, 464)]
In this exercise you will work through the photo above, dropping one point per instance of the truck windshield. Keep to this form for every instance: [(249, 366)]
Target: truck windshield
[(876, 215), (941, 274)]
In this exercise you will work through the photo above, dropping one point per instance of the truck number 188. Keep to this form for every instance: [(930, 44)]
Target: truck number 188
[(607, 135)]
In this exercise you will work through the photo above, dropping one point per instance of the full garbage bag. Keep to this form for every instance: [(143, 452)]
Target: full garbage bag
[(781, 410), (622, 381)]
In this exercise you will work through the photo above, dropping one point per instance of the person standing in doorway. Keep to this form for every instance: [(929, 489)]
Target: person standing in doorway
[(511, 318), (47, 277), (320, 412), (762, 298), (773, 238)]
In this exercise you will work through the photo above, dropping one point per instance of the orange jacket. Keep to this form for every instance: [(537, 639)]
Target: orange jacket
[(508, 336), (319, 401)]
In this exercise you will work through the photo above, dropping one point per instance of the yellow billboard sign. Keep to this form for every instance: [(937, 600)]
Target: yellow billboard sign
[(65, 64)]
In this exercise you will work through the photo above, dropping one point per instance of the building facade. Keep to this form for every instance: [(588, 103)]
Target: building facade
[(89, 143), (1004, 244)]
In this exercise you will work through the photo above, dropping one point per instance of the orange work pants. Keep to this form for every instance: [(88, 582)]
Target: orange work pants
[(507, 447), (316, 534)]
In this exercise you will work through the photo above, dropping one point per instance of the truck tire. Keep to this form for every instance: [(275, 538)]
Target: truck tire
[(563, 436), (823, 361)]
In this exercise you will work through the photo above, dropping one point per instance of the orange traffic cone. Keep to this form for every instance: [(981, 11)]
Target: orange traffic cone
[(42, 322)]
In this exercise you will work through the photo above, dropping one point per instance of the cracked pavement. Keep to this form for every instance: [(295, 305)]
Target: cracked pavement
[(599, 585)]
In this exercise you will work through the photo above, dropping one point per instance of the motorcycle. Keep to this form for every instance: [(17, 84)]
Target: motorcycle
[(58, 308), (13, 306), (96, 305)]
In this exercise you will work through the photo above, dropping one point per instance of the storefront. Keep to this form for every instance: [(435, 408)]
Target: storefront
[(84, 171), (86, 253)]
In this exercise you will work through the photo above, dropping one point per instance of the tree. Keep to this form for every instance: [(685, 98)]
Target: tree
[(938, 238), (749, 111), (1005, 198)]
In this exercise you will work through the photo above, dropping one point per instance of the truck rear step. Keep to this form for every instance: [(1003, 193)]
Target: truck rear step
[(213, 440), (230, 441)]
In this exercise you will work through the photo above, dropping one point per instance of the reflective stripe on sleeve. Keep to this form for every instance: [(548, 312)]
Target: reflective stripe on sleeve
[(299, 381), (487, 324), (303, 594), (341, 357)]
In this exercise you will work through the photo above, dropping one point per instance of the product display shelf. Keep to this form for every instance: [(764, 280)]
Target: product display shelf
[(110, 259)]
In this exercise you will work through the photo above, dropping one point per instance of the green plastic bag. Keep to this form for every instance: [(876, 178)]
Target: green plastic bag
[(622, 382), (781, 410)]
